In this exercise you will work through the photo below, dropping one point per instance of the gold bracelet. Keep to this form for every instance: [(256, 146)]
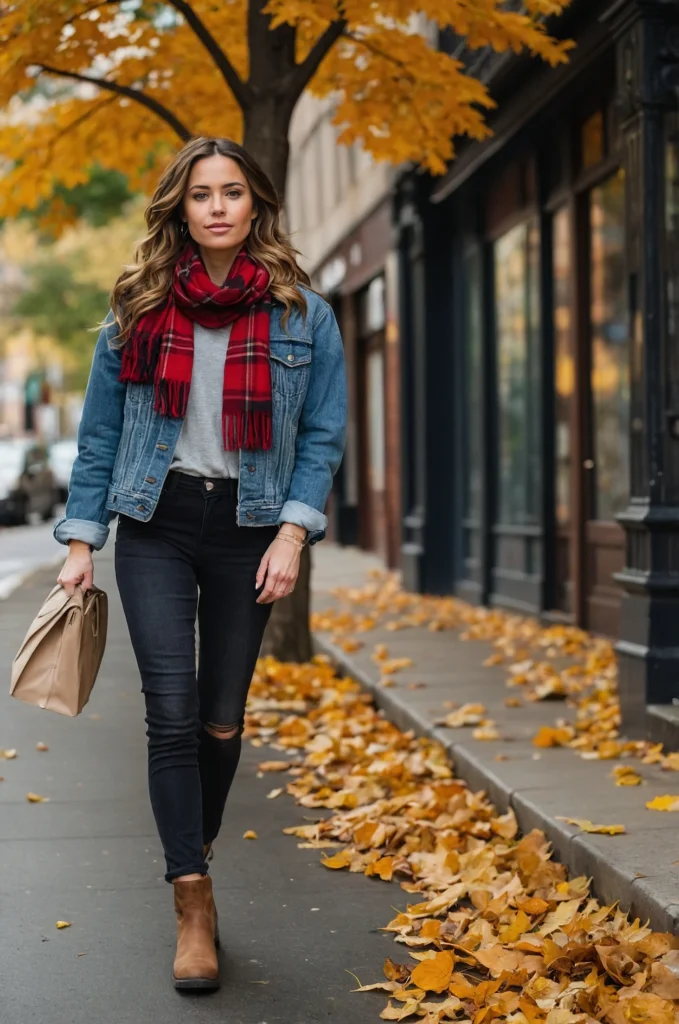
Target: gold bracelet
[(291, 540)]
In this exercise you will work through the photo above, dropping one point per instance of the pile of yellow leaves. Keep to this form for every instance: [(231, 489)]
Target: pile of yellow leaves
[(496, 929), (543, 663)]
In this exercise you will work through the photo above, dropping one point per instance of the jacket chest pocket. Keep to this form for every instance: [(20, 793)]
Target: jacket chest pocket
[(290, 360)]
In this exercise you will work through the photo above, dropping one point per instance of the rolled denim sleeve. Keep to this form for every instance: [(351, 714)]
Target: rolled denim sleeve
[(87, 517), (321, 433)]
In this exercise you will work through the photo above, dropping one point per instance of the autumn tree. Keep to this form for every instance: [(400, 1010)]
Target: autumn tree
[(126, 82)]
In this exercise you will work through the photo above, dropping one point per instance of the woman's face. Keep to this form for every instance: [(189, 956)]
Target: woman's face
[(218, 203)]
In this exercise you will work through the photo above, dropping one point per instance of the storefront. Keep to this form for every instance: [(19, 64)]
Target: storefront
[(539, 308), (358, 279)]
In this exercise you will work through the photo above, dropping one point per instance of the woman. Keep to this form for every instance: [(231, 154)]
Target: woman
[(213, 423)]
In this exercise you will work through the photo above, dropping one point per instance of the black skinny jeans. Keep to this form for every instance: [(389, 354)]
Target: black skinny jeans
[(192, 557)]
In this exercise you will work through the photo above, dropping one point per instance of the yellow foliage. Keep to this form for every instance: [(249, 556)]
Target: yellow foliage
[(394, 92)]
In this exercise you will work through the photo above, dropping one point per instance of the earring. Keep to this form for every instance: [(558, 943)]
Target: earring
[(184, 229)]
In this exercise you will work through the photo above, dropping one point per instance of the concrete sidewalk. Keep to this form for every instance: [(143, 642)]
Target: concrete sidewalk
[(290, 929), (640, 868)]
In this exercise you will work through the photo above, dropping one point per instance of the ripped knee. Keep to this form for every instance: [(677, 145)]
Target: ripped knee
[(222, 732)]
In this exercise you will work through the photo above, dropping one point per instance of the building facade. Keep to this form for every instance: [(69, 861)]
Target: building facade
[(539, 360), (339, 208)]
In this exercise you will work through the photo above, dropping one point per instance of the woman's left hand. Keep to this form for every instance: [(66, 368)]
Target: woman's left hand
[(280, 568)]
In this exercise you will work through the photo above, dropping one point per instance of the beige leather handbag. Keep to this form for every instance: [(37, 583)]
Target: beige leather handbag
[(58, 662)]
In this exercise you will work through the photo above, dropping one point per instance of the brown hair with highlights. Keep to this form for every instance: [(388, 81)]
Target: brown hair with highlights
[(144, 283)]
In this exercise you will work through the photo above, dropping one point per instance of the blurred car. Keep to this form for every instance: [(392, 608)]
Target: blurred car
[(27, 483), (62, 455)]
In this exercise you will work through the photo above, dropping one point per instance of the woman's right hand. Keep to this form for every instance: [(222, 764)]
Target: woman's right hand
[(78, 569)]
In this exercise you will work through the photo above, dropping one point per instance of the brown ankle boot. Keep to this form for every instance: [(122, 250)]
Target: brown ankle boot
[(195, 964), (208, 854)]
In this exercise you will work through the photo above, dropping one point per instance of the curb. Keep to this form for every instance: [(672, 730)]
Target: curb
[(613, 882)]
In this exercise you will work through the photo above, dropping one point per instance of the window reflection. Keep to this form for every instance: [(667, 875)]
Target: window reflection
[(518, 368), (474, 455), (672, 225), (564, 370), (610, 348), (592, 140)]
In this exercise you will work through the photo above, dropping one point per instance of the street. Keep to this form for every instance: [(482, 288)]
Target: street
[(23, 549), (290, 929)]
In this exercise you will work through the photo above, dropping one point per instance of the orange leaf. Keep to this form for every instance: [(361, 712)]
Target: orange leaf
[(434, 975)]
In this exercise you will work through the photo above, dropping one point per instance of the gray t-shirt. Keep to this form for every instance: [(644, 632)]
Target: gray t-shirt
[(200, 450)]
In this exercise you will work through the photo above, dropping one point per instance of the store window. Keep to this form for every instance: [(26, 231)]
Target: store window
[(473, 384), (593, 140), (564, 367), (517, 305), (610, 347), (672, 244)]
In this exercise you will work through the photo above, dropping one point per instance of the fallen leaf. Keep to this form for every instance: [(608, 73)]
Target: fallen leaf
[(647, 1008), (35, 798), (468, 714), (665, 976), (487, 731), (395, 665), (274, 793), (64, 924), (9, 755), (274, 766), (626, 775), (434, 975), (342, 859), (586, 826), (250, 834), (41, 746), (548, 736), (664, 803), (671, 762)]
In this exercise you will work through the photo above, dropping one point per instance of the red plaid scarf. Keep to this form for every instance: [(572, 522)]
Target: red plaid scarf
[(160, 348)]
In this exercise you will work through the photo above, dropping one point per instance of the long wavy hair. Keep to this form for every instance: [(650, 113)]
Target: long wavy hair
[(145, 283)]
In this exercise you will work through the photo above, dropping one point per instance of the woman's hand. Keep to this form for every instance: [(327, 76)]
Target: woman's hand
[(78, 567), (280, 564)]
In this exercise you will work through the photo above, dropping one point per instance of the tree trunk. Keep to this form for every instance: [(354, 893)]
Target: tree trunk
[(266, 123), (287, 636), (265, 136)]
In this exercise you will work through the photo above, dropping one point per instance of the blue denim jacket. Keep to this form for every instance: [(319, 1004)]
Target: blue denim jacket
[(125, 447)]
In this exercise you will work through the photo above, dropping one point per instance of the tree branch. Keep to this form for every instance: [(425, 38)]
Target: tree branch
[(304, 72), (78, 121), (95, 7), (238, 87), (137, 95)]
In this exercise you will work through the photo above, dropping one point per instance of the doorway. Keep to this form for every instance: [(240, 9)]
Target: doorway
[(591, 403)]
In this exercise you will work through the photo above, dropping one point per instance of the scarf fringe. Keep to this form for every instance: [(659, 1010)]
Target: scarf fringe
[(172, 397), (247, 430)]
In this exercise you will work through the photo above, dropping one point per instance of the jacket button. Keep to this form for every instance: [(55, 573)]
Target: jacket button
[(291, 358), (252, 469), (150, 479), (141, 508), (163, 447), (249, 515)]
